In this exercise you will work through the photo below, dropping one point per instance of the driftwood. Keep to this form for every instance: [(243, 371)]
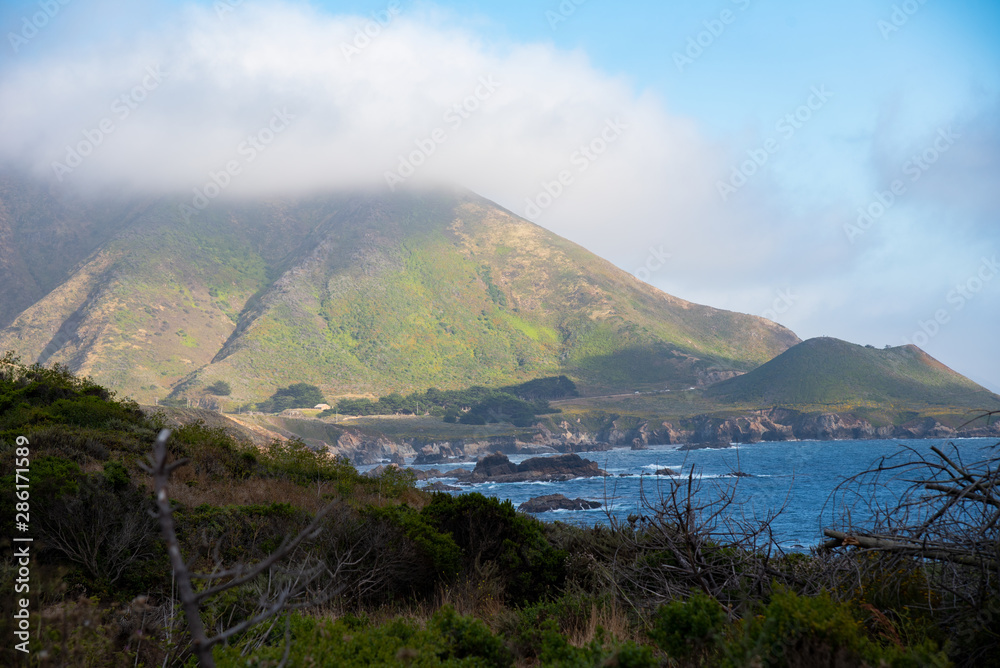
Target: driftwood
[(944, 530), (949, 512), (924, 550)]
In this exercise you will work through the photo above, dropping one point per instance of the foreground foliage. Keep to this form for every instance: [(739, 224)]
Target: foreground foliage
[(394, 576)]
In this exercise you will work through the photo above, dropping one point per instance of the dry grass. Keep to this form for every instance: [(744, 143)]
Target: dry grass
[(479, 594), (412, 497), (192, 489)]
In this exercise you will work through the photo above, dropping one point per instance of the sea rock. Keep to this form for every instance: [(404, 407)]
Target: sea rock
[(497, 468), (666, 472), (425, 475), (378, 470), (495, 465), (549, 502), (433, 454), (462, 475), (535, 449)]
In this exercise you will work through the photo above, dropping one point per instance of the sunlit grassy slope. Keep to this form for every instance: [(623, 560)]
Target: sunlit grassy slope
[(830, 371), (360, 294)]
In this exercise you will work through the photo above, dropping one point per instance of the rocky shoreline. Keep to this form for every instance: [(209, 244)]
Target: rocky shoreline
[(777, 424), (703, 432)]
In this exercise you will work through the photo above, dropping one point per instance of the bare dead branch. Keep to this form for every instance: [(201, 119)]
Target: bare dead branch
[(272, 602)]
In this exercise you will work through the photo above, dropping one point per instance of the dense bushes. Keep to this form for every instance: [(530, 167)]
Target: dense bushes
[(299, 395), (34, 396), (689, 628), (519, 404), (447, 639), (489, 530), (387, 556)]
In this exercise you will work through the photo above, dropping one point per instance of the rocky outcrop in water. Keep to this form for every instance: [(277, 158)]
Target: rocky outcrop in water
[(550, 502), (498, 468)]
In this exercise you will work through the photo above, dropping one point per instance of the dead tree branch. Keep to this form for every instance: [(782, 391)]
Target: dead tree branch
[(192, 600)]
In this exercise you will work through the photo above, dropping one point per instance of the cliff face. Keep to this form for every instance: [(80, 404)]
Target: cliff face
[(777, 425), (362, 448)]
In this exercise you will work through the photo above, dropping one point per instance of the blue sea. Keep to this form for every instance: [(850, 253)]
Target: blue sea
[(796, 477)]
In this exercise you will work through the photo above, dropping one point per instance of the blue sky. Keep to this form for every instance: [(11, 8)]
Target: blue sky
[(785, 245)]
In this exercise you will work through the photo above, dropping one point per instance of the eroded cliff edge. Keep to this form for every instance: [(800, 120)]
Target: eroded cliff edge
[(368, 446)]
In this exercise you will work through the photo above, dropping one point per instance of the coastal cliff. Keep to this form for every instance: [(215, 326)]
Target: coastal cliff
[(363, 446)]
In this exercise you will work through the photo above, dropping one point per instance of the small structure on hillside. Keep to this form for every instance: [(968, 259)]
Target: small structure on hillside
[(322, 407)]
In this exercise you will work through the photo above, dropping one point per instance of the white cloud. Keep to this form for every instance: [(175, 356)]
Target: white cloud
[(356, 114), (653, 186)]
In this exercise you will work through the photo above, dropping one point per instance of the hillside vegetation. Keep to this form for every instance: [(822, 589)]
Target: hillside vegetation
[(401, 577), (830, 371), (361, 295)]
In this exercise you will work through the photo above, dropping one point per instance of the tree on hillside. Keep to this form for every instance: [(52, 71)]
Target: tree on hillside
[(219, 388), (299, 395)]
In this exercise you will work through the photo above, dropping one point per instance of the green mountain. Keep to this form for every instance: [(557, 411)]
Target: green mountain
[(356, 293), (830, 371)]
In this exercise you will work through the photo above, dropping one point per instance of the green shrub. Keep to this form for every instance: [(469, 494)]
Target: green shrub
[(688, 628), (468, 637), (35, 396), (795, 630), (214, 452), (238, 534), (54, 477), (392, 483), (487, 529), (447, 640), (116, 475), (296, 461), (108, 533), (443, 556)]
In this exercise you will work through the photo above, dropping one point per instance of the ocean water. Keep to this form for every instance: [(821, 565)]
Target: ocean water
[(796, 477)]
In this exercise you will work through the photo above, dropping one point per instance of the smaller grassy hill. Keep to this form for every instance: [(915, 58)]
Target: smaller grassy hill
[(831, 371)]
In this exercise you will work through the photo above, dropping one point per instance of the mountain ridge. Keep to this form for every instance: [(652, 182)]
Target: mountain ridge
[(825, 370), (357, 293)]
